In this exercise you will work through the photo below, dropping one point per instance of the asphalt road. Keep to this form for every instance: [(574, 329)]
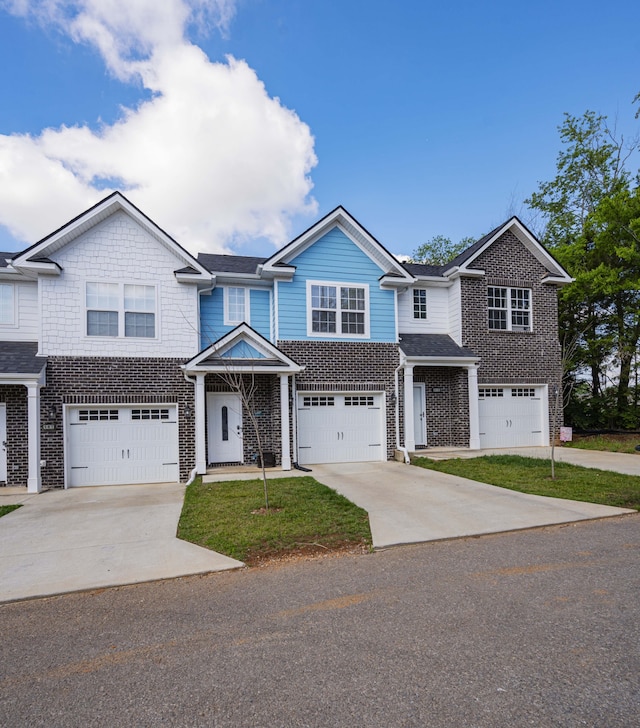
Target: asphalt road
[(535, 628)]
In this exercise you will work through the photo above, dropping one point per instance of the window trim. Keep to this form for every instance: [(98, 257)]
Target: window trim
[(414, 304), (228, 321), (121, 311), (338, 333), (13, 322), (510, 311)]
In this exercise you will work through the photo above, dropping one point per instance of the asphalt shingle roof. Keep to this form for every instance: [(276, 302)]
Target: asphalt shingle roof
[(432, 345), (423, 269), (3, 258), (19, 357), (216, 263)]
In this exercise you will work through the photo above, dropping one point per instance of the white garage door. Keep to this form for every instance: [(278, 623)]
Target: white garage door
[(112, 445), (511, 416), (340, 428)]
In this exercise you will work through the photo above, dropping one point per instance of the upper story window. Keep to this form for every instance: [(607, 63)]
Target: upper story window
[(509, 309), (337, 309), (419, 303), (236, 306), (7, 304), (115, 309)]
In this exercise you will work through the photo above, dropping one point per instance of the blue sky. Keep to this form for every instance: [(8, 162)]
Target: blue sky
[(424, 118)]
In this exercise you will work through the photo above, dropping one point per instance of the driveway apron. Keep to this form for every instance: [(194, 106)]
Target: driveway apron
[(84, 538), (407, 504)]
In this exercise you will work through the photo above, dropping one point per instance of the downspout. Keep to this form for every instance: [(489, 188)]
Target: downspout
[(193, 473), (400, 447)]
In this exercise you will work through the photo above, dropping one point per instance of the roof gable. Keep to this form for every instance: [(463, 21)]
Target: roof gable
[(340, 218), (242, 350), (84, 222), (464, 262)]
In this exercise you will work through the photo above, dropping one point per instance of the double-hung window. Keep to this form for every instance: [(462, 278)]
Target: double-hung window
[(509, 309), (419, 303), (337, 309), (116, 310), (7, 304), (236, 306)]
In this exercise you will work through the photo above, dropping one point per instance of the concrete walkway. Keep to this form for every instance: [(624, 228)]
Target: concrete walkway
[(407, 504), (84, 538)]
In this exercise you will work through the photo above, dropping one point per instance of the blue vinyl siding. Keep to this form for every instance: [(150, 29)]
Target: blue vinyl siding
[(212, 325), (334, 257), (242, 350)]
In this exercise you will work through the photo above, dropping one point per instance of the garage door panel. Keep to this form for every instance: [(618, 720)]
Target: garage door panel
[(510, 416), (339, 427), (122, 445)]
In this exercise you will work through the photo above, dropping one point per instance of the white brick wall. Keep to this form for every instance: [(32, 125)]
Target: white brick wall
[(26, 301), (117, 250), (437, 321)]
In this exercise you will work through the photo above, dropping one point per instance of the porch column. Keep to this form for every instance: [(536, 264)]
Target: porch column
[(474, 413), (201, 444), (409, 433), (284, 421), (34, 480)]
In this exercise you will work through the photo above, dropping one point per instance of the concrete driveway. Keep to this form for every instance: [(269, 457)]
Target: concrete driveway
[(84, 538), (407, 504)]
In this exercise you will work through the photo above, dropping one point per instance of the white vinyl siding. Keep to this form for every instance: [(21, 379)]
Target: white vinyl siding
[(23, 325), (437, 312)]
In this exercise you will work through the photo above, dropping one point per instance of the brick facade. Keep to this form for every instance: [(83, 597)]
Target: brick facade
[(15, 397), (107, 380), (336, 366), (508, 357)]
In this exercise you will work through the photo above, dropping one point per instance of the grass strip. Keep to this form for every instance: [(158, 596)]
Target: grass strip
[(305, 517), (620, 442), (533, 475), (7, 509)]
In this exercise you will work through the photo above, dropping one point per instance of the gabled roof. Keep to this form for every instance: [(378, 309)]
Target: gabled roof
[(258, 355), (464, 262), (39, 253), (393, 271)]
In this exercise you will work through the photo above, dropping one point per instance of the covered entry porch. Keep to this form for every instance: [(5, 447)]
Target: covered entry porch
[(243, 388)]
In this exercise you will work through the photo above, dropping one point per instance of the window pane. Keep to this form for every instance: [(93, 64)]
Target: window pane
[(6, 303), (352, 323), (323, 322), (139, 325), (102, 323), (235, 304), (102, 295), (352, 299), (139, 298), (420, 303), (497, 297), (497, 319), (323, 297)]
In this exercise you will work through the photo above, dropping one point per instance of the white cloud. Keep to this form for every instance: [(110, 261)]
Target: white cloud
[(211, 156)]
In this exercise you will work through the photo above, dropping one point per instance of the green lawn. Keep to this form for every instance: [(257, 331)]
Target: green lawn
[(7, 509), (620, 442), (305, 517), (532, 475)]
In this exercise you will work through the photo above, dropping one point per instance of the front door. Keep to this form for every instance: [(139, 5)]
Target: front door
[(224, 426), (419, 414), (3, 442)]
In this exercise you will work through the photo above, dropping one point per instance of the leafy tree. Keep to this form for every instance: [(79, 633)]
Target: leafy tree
[(439, 250), (592, 212)]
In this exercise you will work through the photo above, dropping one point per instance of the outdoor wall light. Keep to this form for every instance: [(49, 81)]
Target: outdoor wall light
[(52, 412), (188, 411)]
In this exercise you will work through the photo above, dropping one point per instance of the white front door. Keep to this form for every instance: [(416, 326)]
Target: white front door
[(3, 442), (419, 414), (224, 427), (115, 444)]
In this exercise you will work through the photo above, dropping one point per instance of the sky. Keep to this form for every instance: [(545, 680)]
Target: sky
[(236, 124)]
